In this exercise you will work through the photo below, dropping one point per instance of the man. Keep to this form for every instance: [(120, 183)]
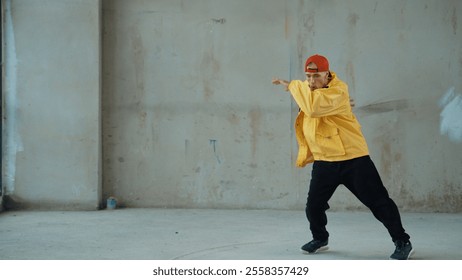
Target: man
[(330, 137)]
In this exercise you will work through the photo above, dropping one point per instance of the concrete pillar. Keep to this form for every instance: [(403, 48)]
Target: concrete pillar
[(51, 88)]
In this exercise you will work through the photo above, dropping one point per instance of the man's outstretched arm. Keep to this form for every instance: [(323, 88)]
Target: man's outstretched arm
[(277, 81)]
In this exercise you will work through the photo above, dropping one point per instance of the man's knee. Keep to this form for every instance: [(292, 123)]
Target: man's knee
[(314, 205)]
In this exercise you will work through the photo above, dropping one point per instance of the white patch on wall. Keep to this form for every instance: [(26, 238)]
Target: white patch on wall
[(13, 139), (77, 190), (451, 115)]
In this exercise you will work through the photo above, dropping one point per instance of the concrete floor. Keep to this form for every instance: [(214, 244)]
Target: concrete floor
[(166, 234)]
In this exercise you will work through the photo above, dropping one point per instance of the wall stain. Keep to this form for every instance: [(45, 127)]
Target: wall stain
[(255, 120), (351, 47), (219, 20), (281, 195), (208, 90), (210, 68), (143, 116), (186, 148), (386, 106), (454, 20), (446, 197), (138, 58), (350, 73), (309, 23), (306, 25), (385, 159), (213, 143), (210, 65), (233, 119), (353, 19), (138, 63)]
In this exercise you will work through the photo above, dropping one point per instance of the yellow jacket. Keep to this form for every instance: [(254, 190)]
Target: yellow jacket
[(326, 128)]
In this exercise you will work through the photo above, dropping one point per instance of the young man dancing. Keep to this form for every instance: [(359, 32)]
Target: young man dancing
[(330, 137)]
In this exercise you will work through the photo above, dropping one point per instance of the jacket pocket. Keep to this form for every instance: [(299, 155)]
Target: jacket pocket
[(329, 141)]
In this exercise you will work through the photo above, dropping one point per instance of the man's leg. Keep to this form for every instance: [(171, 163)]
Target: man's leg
[(322, 186), (362, 179)]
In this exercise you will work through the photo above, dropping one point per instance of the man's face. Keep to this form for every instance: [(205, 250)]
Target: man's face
[(316, 79)]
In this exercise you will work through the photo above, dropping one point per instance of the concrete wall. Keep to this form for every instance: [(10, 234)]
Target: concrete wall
[(51, 125), (190, 118), (189, 115)]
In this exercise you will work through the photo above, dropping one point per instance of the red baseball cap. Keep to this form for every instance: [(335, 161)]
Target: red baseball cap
[(321, 62)]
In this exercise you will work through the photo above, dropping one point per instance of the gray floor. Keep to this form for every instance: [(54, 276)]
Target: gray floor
[(165, 234)]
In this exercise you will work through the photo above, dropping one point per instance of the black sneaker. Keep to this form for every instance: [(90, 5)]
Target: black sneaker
[(403, 250), (314, 246)]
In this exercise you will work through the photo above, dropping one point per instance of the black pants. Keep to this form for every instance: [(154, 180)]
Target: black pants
[(361, 177)]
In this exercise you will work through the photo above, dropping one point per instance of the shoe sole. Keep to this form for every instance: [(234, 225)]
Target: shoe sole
[(408, 256), (320, 249)]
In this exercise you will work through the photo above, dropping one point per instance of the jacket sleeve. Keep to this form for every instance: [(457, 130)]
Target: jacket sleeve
[(300, 93), (333, 100)]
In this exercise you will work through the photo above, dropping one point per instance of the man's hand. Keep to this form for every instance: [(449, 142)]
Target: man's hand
[(277, 81), (352, 102)]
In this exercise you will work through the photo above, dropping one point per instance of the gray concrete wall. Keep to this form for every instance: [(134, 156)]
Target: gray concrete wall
[(51, 125), (189, 115), (190, 118)]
